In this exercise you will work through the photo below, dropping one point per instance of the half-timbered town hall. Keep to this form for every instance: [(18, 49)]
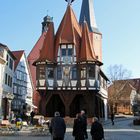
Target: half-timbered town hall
[(68, 65)]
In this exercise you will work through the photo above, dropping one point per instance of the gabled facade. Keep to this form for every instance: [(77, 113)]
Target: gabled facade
[(125, 95), (2, 63), (7, 80), (68, 72), (22, 84)]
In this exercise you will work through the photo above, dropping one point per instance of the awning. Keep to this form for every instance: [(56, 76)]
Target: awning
[(30, 103)]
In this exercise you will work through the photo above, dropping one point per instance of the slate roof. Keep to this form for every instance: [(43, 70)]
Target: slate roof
[(87, 13)]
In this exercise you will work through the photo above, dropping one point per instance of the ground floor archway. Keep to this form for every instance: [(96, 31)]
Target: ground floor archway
[(76, 105), (55, 104), (69, 102)]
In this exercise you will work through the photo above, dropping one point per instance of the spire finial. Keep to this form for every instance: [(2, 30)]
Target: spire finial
[(69, 1), (87, 12), (47, 12)]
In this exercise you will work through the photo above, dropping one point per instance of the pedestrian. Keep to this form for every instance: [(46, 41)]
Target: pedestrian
[(78, 128), (11, 117), (24, 116), (32, 114), (96, 131), (84, 117), (112, 118), (18, 123), (41, 121), (57, 127)]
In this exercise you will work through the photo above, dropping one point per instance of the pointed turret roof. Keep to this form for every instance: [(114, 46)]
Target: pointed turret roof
[(87, 51), (47, 51), (87, 13), (69, 30), (35, 52)]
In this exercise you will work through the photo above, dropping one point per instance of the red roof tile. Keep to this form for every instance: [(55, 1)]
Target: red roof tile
[(34, 55), (18, 55), (35, 52), (69, 30), (47, 52), (87, 51)]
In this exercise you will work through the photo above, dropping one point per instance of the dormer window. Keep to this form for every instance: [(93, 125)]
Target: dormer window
[(41, 72), (50, 73), (65, 53), (74, 73), (70, 51), (59, 73), (83, 72), (91, 72)]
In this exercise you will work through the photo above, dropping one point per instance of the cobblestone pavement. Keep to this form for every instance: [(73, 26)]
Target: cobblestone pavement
[(122, 130), (109, 135)]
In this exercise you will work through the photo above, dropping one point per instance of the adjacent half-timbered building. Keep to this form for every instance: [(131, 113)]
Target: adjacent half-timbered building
[(22, 84), (68, 70)]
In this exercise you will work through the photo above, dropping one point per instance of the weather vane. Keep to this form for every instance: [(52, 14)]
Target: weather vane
[(69, 1)]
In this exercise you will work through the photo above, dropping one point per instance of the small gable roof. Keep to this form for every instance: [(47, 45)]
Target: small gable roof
[(18, 55)]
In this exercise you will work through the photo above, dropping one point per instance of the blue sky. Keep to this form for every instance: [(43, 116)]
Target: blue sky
[(118, 20)]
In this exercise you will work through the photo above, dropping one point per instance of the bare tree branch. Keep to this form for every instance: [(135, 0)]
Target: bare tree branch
[(115, 73), (118, 72)]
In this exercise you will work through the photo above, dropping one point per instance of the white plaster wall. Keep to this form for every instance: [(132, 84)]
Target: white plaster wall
[(105, 109), (29, 85), (1, 80), (29, 82), (0, 77), (6, 88), (104, 94)]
